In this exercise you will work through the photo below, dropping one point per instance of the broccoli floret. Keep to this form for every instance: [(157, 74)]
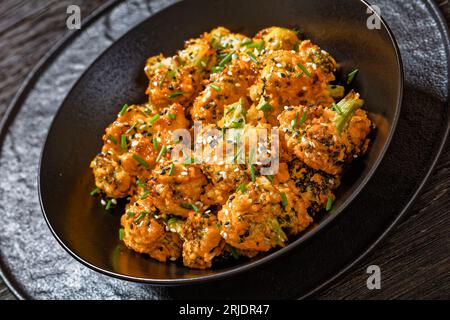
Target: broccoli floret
[(345, 110), (234, 115)]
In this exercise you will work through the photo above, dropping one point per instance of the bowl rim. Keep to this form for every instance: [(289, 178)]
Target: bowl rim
[(234, 270)]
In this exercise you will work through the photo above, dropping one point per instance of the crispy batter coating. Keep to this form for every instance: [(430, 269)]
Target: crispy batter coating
[(277, 38), (202, 240), (177, 189), (254, 219), (144, 233)]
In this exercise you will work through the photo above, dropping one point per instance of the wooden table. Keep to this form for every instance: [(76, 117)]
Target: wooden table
[(414, 258)]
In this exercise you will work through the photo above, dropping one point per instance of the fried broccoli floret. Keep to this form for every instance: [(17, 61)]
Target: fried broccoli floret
[(276, 38), (288, 79), (325, 139), (259, 216), (315, 186), (202, 240), (144, 232), (177, 189)]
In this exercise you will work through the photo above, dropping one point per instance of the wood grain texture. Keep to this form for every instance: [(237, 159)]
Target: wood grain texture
[(414, 258)]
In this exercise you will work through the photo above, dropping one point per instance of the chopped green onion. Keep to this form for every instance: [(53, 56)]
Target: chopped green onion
[(303, 118), (141, 161), (252, 57), (161, 153), (145, 194), (123, 142), (215, 87), (95, 191), (246, 43), (299, 75), (168, 73), (241, 188), (233, 252), (190, 206), (230, 110), (141, 184), (172, 116), (153, 119), (155, 144), (226, 59), (131, 129), (172, 166), (123, 110), (139, 217), (270, 178), (259, 45), (112, 139), (336, 108), (284, 200), (121, 234), (176, 94), (216, 69), (236, 156), (295, 123), (265, 107), (130, 214), (329, 203), (108, 204), (304, 70), (253, 172), (251, 156), (351, 76)]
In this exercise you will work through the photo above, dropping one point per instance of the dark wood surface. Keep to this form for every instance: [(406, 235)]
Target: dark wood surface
[(414, 258)]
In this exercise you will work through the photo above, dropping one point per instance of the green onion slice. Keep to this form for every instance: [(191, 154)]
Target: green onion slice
[(303, 118), (161, 153), (305, 71), (226, 59), (112, 139), (123, 110), (172, 116), (141, 161), (284, 200), (352, 75), (215, 87), (329, 203), (153, 119), (253, 57), (95, 191), (123, 142), (176, 94)]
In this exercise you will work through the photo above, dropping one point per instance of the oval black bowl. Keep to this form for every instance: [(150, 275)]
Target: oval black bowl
[(80, 223)]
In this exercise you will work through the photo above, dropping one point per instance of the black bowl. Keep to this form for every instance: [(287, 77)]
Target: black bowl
[(81, 224)]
